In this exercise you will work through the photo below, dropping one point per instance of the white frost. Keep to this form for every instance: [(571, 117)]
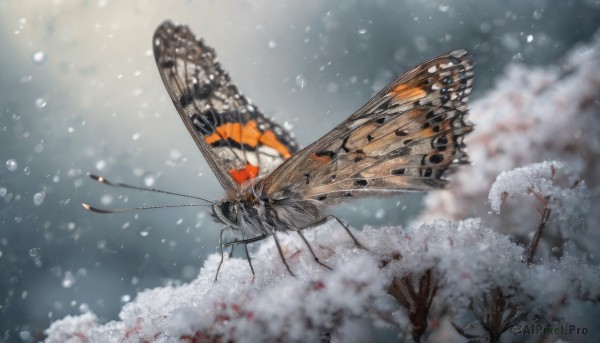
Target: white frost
[(535, 178)]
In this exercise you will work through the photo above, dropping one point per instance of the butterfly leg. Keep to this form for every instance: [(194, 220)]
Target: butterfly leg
[(221, 246), (311, 250), (249, 260), (281, 253), (246, 241), (330, 217), (233, 244), (356, 242), (247, 254)]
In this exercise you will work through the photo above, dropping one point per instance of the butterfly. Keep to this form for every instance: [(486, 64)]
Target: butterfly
[(405, 139)]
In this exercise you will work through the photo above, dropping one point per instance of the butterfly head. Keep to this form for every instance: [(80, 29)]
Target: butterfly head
[(227, 212)]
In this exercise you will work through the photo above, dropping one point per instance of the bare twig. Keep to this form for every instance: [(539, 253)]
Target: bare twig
[(495, 314), (530, 251), (461, 331), (416, 300)]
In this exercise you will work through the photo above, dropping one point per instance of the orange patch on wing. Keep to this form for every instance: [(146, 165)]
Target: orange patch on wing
[(404, 92), (320, 159), (242, 175), (249, 135), (269, 139)]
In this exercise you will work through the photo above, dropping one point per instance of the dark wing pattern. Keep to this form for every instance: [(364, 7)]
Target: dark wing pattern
[(236, 139), (405, 139)]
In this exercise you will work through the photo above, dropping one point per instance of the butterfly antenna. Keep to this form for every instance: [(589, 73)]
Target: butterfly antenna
[(103, 180), (131, 209)]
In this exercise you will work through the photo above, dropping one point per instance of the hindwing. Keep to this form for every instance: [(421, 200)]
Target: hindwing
[(405, 139)]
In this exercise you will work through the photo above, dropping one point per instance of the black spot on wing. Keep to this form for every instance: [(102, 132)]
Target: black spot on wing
[(344, 142), (168, 64), (327, 153), (230, 143), (203, 91), (360, 183), (207, 122), (445, 98), (185, 99), (437, 158), (198, 92), (443, 140)]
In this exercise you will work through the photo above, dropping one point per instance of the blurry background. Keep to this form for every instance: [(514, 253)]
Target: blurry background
[(79, 92)]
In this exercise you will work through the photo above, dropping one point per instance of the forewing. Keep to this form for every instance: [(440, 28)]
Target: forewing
[(405, 139), (236, 139)]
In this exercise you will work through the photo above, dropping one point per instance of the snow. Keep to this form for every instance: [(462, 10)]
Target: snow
[(540, 179), (468, 262), (72, 329), (244, 308)]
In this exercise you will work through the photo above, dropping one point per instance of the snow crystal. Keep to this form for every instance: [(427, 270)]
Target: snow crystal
[(41, 102), (38, 198), (11, 165)]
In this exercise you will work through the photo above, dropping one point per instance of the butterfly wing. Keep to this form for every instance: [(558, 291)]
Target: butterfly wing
[(405, 139), (236, 139)]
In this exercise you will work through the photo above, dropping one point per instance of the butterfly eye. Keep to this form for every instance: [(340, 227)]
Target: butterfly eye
[(229, 211)]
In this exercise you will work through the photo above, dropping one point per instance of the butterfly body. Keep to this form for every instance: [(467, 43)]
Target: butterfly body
[(252, 214)]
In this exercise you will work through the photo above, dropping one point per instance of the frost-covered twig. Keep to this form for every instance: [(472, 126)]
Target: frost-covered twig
[(558, 189)]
